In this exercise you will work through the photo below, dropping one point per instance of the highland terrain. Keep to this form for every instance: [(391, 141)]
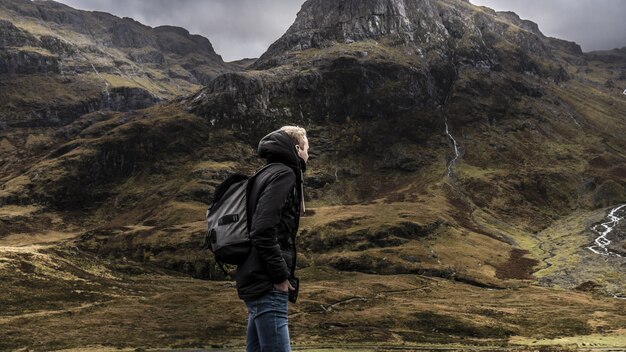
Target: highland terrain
[(464, 188)]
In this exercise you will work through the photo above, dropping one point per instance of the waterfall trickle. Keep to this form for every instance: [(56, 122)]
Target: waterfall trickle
[(456, 148), (106, 85), (604, 229)]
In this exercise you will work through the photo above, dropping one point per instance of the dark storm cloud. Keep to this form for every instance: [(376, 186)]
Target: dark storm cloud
[(594, 24), (246, 28)]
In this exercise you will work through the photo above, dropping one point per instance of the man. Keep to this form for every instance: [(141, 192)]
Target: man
[(265, 280)]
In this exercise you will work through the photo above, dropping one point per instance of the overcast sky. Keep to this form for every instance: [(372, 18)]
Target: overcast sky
[(245, 28)]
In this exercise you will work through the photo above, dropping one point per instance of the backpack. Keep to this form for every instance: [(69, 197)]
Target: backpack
[(228, 219)]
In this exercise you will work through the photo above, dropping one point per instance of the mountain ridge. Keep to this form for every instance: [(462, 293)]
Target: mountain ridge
[(112, 32), (58, 63), (426, 24)]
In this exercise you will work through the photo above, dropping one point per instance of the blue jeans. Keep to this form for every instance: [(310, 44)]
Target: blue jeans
[(267, 323)]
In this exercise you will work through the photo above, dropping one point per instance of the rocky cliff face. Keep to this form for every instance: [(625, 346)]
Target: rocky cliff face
[(384, 57), (425, 27), (322, 23)]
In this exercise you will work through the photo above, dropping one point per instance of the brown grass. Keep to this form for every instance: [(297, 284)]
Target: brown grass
[(517, 267)]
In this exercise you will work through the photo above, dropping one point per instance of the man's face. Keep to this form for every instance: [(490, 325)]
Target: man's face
[(303, 150)]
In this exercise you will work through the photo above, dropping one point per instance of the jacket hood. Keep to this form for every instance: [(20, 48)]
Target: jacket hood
[(278, 146)]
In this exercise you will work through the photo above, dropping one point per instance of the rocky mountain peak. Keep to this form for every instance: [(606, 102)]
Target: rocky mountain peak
[(424, 25), (525, 24), (319, 23), (178, 40)]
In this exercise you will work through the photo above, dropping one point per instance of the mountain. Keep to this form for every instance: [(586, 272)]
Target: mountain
[(420, 28), (460, 161), (59, 63)]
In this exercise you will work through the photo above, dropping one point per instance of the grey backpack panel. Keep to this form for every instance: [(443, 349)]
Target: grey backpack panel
[(228, 234), (229, 218)]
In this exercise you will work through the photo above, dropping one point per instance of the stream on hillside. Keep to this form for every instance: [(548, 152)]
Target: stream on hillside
[(457, 153), (603, 230)]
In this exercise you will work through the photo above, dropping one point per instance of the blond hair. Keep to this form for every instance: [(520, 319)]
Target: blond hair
[(297, 133)]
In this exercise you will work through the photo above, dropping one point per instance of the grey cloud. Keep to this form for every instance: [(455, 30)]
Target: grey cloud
[(246, 28)]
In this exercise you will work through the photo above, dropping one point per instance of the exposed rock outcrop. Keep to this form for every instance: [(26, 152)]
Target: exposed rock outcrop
[(420, 27), (13, 36), (27, 62)]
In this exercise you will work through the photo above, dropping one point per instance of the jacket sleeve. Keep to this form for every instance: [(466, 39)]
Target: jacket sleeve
[(265, 223)]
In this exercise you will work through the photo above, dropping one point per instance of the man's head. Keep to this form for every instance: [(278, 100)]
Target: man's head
[(298, 134)]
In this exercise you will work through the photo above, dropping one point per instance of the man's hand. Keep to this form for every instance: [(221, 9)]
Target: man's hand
[(284, 286)]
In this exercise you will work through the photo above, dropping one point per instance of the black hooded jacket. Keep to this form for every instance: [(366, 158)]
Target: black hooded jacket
[(275, 203)]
